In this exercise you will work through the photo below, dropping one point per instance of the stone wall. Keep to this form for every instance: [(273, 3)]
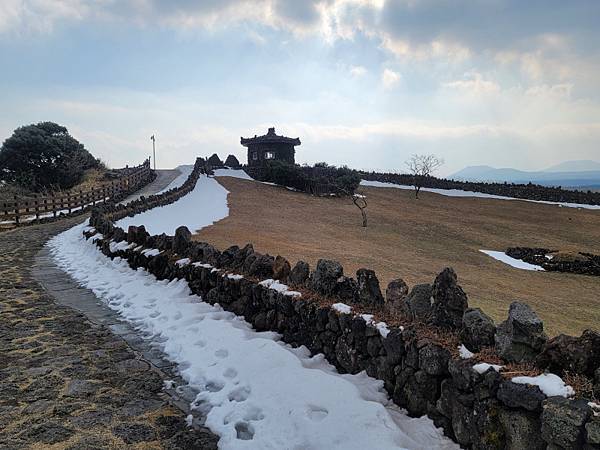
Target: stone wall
[(417, 361), (525, 191), (555, 261)]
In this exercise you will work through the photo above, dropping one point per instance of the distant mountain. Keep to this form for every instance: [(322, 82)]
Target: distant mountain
[(568, 174), (584, 165)]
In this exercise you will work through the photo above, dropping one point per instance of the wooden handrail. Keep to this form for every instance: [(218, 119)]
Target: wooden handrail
[(53, 204)]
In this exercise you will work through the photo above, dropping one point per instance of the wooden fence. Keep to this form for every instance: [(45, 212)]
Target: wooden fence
[(21, 210)]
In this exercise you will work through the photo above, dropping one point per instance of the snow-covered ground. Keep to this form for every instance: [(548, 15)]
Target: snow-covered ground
[(258, 392), (184, 173), (234, 173), (517, 263), (461, 193), (205, 205)]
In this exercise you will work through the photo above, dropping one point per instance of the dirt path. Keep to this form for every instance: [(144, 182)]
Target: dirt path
[(66, 382)]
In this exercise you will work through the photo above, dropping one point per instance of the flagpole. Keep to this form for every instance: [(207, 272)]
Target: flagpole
[(153, 150)]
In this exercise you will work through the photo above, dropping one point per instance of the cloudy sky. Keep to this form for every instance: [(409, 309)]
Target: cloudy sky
[(362, 82)]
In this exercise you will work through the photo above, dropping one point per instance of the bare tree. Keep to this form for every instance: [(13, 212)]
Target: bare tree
[(421, 167), (360, 201)]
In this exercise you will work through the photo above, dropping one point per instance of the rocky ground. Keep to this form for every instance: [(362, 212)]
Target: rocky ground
[(67, 383)]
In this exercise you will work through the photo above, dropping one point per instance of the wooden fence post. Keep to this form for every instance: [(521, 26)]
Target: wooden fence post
[(16, 210), (37, 209)]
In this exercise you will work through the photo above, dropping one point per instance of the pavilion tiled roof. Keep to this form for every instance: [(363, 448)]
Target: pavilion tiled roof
[(269, 138)]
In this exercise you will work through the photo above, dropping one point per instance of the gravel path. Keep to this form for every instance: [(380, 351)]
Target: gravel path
[(65, 381)]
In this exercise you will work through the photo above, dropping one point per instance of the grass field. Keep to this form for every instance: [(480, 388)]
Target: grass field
[(415, 239), (92, 178)]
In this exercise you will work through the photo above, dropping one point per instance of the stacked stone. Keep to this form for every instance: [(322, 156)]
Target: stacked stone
[(478, 410)]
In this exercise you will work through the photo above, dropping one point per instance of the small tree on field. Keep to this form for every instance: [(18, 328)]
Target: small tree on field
[(421, 167), (360, 201)]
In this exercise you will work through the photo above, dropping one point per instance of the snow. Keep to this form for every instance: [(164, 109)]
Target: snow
[(234, 173), (236, 277), (517, 263), (241, 174), (114, 247), (464, 352), (550, 384), (461, 193), (484, 367), (279, 287), (151, 252), (97, 236), (380, 326), (203, 265), (256, 392), (184, 173), (205, 205), (342, 308), (183, 262)]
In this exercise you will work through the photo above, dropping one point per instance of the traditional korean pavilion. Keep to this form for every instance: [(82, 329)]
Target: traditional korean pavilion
[(270, 147)]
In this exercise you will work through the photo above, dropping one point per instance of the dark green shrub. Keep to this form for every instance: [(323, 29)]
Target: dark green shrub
[(44, 156)]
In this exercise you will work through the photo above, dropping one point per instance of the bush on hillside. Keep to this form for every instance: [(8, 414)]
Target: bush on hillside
[(232, 161), (215, 161), (320, 179), (44, 156)]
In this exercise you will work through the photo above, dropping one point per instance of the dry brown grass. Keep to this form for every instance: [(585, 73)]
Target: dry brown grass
[(415, 239)]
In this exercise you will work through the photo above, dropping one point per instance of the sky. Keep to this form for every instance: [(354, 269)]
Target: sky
[(366, 83)]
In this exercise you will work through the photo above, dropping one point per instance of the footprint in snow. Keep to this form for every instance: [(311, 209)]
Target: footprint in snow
[(200, 343), (230, 373), (214, 386), (316, 413), (222, 353), (239, 394), (244, 431)]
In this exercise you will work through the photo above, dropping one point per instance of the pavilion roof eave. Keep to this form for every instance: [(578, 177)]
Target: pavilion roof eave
[(269, 140)]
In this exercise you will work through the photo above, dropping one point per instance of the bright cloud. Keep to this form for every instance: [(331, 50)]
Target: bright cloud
[(505, 82), (389, 78)]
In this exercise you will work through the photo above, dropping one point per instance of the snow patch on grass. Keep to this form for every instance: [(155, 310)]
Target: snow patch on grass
[(461, 193), (516, 263)]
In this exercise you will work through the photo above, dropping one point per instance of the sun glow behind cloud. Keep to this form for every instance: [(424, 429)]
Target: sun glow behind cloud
[(499, 83)]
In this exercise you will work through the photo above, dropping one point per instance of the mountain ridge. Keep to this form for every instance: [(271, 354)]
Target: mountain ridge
[(552, 176)]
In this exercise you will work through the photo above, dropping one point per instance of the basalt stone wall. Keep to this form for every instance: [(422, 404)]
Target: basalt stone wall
[(525, 191), (582, 263), (104, 216), (421, 373)]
